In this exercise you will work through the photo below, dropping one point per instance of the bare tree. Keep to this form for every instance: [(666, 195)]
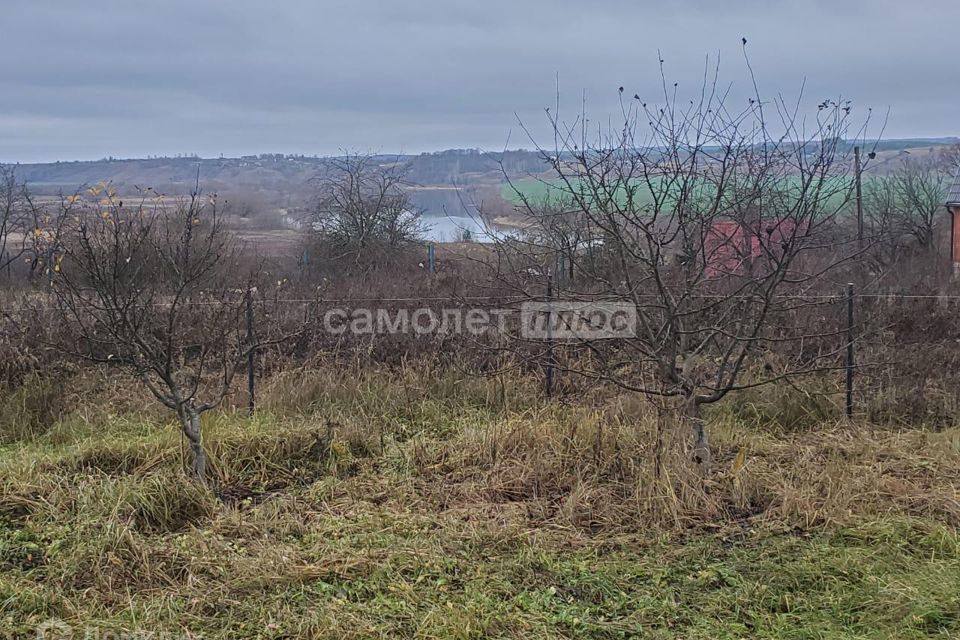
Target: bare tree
[(362, 207), (921, 187), (881, 204), (713, 220), (44, 226), (153, 291), (249, 209), (12, 204), (903, 208), (951, 158), (558, 227), (38, 225)]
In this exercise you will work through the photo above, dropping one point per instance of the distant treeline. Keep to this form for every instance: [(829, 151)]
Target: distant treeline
[(284, 171), (269, 170)]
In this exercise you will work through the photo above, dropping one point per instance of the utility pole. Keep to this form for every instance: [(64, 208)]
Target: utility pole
[(856, 171)]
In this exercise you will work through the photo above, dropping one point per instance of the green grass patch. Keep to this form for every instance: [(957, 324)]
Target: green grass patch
[(536, 191), (448, 508), (389, 575)]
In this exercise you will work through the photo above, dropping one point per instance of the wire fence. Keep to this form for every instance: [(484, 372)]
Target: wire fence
[(894, 350)]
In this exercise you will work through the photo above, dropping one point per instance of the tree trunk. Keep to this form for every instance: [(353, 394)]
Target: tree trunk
[(190, 423), (701, 444)]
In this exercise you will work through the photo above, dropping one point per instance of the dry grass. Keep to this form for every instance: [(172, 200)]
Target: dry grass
[(448, 506)]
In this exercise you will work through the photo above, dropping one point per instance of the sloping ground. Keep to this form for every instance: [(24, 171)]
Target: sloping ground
[(445, 507), (162, 172)]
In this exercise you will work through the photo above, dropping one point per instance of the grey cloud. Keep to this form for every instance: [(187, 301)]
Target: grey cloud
[(122, 78)]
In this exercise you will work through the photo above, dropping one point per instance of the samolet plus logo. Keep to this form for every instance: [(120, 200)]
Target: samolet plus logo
[(573, 320)]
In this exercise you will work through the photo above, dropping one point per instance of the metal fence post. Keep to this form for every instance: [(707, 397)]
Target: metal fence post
[(50, 267), (548, 370), (850, 360), (431, 258), (251, 362)]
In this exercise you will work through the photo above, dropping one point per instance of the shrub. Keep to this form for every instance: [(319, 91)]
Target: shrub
[(30, 409), (785, 407), (168, 502)]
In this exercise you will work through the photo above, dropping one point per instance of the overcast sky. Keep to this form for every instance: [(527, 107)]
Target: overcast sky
[(127, 78)]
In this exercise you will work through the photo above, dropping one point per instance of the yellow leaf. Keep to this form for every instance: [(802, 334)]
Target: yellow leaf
[(739, 461)]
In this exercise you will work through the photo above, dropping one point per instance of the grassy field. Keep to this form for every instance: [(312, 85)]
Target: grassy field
[(418, 504), (535, 190)]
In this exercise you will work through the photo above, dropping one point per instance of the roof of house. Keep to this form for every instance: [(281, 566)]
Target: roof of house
[(953, 196)]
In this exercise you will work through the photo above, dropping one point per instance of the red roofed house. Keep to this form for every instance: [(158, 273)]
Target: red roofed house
[(727, 251), (953, 206)]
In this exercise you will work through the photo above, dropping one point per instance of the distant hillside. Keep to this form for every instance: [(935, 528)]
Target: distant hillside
[(269, 172), (470, 166), (914, 143), (265, 172), (283, 181), (279, 172)]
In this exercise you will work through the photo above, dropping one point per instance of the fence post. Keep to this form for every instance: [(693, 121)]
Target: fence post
[(50, 267), (251, 378), (431, 258), (850, 361), (548, 370), (561, 270)]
